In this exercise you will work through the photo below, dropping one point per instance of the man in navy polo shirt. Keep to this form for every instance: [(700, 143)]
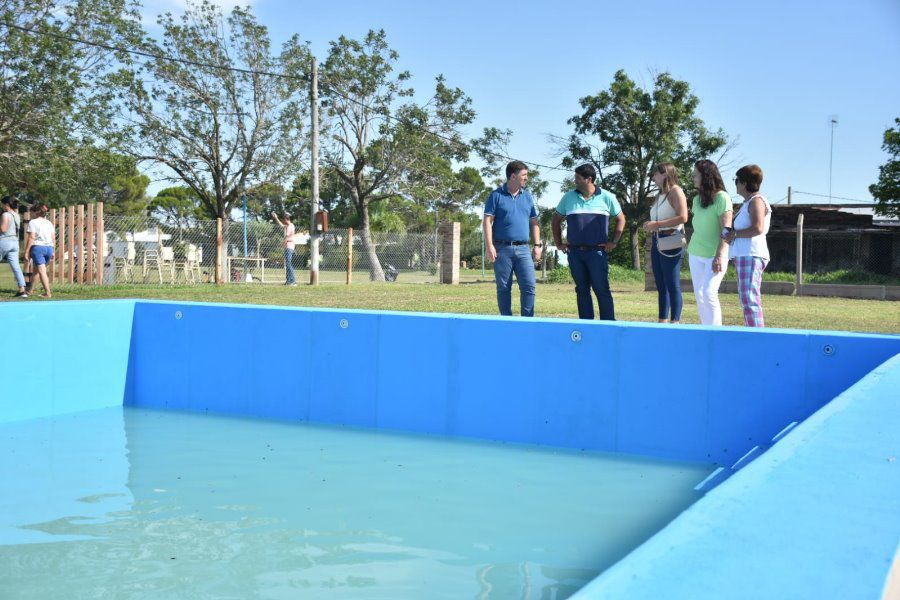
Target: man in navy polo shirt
[(587, 210), (508, 215)]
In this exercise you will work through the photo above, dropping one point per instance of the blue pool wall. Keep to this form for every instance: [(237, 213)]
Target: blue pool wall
[(813, 516), (817, 516), (63, 357), (689, 393)]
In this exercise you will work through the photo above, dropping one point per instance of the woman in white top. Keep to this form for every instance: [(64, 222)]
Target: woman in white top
[(667, 217), (39, 246), (749, 250)]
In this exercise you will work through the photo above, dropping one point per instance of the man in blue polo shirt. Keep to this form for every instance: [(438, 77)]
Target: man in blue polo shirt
[(587, 210), (508, 215)]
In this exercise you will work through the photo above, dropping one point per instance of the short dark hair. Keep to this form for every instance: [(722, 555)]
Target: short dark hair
[(287, 217), (40, 209), (587, 171), (515, 167), (751, 176), (11, 201)]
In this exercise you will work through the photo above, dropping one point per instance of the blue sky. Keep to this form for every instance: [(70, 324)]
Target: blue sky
[(770, 73)]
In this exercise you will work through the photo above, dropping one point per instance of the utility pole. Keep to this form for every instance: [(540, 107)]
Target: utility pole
[(789, 195), (833, 121), (314, 200)]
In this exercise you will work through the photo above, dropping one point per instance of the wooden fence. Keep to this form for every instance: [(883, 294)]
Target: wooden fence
[(80, 244)]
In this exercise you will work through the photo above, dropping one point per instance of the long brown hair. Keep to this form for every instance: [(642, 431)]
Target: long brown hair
[(668, 169), (710, 181)]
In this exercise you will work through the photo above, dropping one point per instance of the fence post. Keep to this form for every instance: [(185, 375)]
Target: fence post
[(349, 256), (89, 252), (799, 278), (28, 264), (101, 243), (79, 231), (60, 250), (70, 244), (219, 250), (449, 267), (51, 268)]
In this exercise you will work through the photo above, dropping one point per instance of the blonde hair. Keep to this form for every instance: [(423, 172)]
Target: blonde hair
[(668, 169)]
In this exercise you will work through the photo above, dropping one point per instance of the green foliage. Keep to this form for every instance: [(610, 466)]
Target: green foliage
[(380, 145), (220, 131), (626, 130), (177, 206), (127, 195), (50, 96), (887, 190)]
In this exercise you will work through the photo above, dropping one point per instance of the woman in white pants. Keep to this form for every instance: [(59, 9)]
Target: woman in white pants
[(708, 249)]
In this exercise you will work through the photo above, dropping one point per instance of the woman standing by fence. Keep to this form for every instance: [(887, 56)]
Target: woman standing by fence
[(749, 250), (667, 218)]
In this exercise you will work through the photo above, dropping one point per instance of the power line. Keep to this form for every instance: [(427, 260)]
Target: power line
[(154, 55), (304, 78), (833, 197)]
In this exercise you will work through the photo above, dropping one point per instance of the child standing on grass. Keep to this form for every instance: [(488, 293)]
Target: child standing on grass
[(39, 246)]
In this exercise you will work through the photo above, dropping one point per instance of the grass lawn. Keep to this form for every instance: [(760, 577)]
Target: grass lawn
[(478, 297)]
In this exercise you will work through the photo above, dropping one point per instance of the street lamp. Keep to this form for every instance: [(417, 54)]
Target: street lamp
[(833, 121)]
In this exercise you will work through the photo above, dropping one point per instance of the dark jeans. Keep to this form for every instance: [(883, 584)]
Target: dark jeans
[(289, 266), (667, 273), (590, 270), (515, 259)]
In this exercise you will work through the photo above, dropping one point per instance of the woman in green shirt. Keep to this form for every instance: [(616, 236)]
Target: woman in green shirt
[(708, 250)]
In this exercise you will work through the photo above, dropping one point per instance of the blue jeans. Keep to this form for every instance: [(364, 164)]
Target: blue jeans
[(289, 266), (515, 259), (9, 251), (667, 273), (590, 270)]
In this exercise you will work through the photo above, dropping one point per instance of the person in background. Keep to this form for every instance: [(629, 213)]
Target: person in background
[(509, 214), (10, 223), (587, 210), (749, 250), (707, 250), (39, 243), (667, 217), (288, 244)]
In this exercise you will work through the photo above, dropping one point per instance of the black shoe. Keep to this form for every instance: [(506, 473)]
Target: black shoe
[(21, 294)]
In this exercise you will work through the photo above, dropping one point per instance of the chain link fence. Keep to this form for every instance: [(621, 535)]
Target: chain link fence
[(143, 250), (839, 256)]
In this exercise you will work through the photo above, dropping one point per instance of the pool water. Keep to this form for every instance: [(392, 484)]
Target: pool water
[(133, 503)]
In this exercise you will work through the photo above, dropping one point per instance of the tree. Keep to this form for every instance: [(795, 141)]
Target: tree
[(377, 146), (626, 130), (887, 190), (50, 96), (225, 120), (128, 194), (177, 206)]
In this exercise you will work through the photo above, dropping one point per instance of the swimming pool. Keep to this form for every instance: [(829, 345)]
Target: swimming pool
[(768, 525)]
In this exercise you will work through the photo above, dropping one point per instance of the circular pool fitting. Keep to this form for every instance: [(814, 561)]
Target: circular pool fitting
[(576, 336), (828, 350), (345, 323), (178, 315)]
